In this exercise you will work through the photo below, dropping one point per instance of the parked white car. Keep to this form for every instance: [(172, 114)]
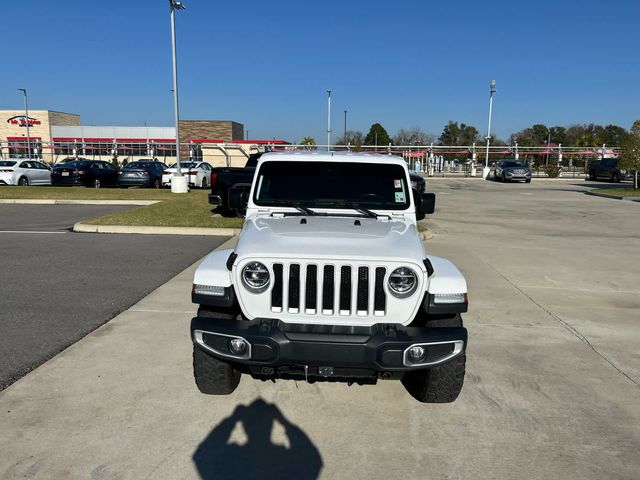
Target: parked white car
[(24, 172), (198, 174)]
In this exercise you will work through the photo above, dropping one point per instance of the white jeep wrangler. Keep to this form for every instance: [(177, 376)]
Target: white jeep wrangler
[(329, 281)]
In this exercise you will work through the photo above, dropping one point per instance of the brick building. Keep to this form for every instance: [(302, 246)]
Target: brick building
[(57, 135)]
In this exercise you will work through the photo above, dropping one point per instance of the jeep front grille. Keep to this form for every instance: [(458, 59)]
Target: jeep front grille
[(299, 288)]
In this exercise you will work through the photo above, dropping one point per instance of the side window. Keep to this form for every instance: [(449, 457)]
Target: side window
[(206, 167), (108, 166), (25, 165)]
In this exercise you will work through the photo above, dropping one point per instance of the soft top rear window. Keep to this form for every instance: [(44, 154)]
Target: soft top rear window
[(332, 185)]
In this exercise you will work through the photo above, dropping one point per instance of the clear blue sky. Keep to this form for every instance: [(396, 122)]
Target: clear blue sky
[(268, 64)]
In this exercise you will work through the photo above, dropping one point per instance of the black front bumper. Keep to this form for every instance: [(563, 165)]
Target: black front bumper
[(325, 350)]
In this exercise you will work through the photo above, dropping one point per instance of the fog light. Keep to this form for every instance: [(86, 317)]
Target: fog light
[(416, 354), (237, 346)]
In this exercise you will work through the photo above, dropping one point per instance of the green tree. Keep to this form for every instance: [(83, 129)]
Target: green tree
[(377, 136), (450, 134), (613, 135), (558, 135), (631, 152)]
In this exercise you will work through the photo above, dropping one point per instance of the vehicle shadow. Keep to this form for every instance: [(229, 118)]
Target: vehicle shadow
[(604, 185), (258, 458)]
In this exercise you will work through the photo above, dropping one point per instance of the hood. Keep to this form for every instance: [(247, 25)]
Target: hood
[(330, 238)]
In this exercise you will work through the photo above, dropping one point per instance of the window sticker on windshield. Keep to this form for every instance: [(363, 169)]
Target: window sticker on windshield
[(397, 183), (400, 197)]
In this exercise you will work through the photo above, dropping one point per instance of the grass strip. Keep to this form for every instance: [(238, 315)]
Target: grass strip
[(622, 192), (190, 209)]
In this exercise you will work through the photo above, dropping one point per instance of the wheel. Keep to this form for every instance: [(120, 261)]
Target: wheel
[(213, 376), (23, 182), (156, 183), (441, 384), (528, 180), (204, 183), (615, 178), (96, 183), (504, 179), (592, 175)]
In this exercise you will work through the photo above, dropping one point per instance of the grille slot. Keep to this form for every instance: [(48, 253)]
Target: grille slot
[(379, 299), (345, 290), (276, 292), (328, 289), (294, 288), (362, 305), (311, 290)]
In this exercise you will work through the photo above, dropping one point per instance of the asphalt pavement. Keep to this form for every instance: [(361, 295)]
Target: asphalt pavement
[(57, 286), (551, 390)]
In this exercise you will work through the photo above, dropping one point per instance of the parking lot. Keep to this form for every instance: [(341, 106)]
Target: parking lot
[(58, 285), (551, 391)]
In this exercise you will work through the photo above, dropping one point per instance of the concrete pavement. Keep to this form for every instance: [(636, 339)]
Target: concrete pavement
[(551, 389)]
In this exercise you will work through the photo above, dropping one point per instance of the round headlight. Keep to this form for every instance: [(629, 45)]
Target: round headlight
[(255, 276), (403, 282)]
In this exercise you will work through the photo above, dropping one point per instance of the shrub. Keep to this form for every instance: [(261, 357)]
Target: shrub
[(552, 171)]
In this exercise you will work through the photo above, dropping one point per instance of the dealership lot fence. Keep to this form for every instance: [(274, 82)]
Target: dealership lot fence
[(421, 158)]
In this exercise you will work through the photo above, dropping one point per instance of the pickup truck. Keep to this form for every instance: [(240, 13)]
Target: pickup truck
[(238, 180), (225, 179), (607, 169), (329, 281)]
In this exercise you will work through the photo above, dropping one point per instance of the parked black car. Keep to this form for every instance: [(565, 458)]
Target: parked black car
[(90, 173), (143, 173), (607, 169)]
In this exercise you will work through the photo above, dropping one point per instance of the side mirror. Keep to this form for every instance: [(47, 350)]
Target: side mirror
[(425, 203)]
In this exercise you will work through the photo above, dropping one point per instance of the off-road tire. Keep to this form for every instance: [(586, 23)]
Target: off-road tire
[(213, 376), (441, 384)]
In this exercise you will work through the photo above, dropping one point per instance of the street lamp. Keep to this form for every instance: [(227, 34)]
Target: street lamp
[(178, 182), (329, 121), (26, 114), (492, 90), (345, 127)]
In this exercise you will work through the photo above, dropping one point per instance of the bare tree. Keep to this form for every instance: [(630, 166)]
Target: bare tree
[(413, 136), (353, 137)]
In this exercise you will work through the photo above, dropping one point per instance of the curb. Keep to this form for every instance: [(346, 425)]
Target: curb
[(615, 197), (46, 201), (144, 230)]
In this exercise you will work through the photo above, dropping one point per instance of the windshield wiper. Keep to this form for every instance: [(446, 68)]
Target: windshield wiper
[(354, 206), (300, 208)]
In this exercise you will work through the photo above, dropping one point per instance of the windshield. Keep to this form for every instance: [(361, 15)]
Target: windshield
[(332, 185), (184, 165), (137, 165), (514, 164), (7, 164)]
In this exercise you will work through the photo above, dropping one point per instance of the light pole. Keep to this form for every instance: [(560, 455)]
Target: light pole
[(329, 120), (26, 114), (345, 127), (178, 182), (492, 90)]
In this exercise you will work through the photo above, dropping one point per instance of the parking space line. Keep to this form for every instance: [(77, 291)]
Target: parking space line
[(30, 231)]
